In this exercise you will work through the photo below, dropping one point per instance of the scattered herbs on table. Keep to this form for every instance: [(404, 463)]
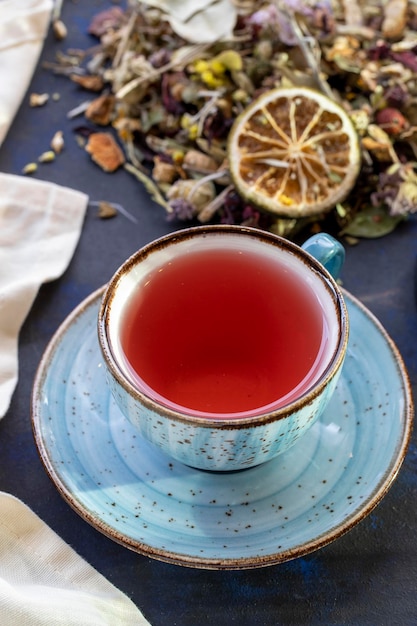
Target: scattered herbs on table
[(165, 85)]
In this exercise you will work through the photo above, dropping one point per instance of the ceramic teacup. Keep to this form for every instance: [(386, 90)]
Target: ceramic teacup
[(223, 344)]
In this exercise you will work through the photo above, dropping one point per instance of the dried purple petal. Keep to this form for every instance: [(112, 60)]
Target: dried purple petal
[(396, 96), (171, 103), (217, 125), (160, 57), (323, 18), (104, 21), (181, 210), (380, 51)]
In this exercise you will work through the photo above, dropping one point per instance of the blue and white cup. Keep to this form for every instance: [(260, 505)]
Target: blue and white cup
[(224, 439)]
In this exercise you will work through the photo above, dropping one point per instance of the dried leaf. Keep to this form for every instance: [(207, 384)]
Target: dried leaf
[(90, 82), (149, 185), (100, 111), (105, 151), (371, 223), (106, 210), (379, 143)]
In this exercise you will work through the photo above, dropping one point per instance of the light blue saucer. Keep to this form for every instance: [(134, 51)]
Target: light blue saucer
[(300, 501)]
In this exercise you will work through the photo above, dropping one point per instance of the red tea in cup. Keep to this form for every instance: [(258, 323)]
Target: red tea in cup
[(224, 328)]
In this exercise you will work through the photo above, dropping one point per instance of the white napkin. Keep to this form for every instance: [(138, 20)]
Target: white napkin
[(43, 582), (23, 26), (40, 225)]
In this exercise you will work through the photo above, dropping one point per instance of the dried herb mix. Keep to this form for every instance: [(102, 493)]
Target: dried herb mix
[(169, 86)]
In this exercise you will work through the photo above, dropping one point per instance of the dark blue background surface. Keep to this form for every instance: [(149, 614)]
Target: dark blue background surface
[(367, 577)]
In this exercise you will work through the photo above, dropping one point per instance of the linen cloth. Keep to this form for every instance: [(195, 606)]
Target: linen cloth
[(43, 582), (23, 26), (40, 224)]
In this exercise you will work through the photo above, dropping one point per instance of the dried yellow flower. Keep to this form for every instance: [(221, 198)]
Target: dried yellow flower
[(47, 157), (30, 168)]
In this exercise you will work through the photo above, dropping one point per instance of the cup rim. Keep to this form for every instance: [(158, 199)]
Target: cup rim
[(334, 364)]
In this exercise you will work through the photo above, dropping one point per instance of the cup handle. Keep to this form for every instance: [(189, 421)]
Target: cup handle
[(327, 250)]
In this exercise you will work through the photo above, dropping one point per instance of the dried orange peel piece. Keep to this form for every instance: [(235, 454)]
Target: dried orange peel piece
[(294, 152)]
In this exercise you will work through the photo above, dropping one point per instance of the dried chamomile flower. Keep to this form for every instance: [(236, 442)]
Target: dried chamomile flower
[(30, 168), (197, 193), (47, 157)]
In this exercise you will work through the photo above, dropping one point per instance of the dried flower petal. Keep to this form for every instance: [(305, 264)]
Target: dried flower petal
[(38, 99), (164, 172), (105, 151), (394, 18), (106, 210), (408, 58), (47, 157), (391, 120), (101, 110), (88, 81), (108, 19), (57, 142), (30, 168), (197, 194), (199, 162)]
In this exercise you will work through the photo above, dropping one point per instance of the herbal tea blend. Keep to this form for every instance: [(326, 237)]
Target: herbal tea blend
[(168, 83)]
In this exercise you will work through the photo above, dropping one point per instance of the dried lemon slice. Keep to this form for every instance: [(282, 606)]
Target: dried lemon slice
[(293, 152)]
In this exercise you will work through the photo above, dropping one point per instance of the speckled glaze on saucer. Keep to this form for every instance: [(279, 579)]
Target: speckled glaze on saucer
[(285, 508)]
